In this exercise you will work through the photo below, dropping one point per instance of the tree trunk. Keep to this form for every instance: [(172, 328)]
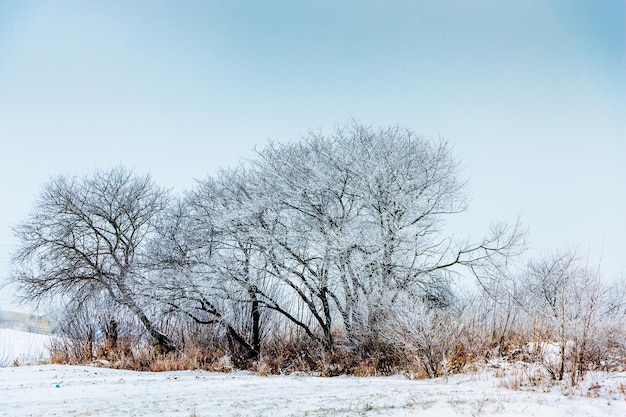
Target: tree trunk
[(328, 337), (163, 343), (111, 334), (256, 318)]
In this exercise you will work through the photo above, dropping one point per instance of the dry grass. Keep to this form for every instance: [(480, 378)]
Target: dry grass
[(279, 356), (299, 354), (525, 376)]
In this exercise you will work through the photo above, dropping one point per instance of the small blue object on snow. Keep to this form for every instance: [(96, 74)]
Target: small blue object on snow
[(58, 385)]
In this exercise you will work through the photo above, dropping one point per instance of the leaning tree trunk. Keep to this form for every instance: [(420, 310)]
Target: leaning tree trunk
[(163, 344)]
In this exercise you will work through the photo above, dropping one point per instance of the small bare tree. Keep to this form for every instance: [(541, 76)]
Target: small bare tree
[(85, 239), (571, 300), (427, 333)]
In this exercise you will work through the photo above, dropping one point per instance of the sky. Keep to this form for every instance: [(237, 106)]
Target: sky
[(531, 96)]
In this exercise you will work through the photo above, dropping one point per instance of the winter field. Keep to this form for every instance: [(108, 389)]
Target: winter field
[(59, 390), (53, 390)]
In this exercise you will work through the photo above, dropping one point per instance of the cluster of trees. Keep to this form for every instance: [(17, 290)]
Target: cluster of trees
[(337, 240)]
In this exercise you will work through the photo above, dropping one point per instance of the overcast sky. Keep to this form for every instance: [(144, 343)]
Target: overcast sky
[(530, 94)]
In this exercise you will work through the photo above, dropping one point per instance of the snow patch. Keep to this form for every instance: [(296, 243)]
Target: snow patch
[(22, 348)]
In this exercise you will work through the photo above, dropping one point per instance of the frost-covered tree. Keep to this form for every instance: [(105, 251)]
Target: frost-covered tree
[(353, 220), (209, 264), (86, 238), (570, 301)]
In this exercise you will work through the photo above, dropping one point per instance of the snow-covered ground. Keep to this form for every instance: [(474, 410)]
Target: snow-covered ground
[(54, 390), (17, 347)]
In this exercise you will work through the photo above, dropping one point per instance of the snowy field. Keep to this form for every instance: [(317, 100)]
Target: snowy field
[(53, 390), (22, 348), (56, 390)]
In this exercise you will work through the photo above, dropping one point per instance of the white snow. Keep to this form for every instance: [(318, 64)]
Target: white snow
[(58, 390), (55, 390), (22, 348)]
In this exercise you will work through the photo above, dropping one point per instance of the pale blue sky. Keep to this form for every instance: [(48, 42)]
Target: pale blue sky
[(531, 94)]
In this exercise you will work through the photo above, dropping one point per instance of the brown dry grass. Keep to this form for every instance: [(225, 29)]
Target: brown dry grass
[(299, 354)]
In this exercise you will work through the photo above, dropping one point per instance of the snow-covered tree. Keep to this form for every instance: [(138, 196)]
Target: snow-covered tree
[(353, 220), (209, 267), (570, 300)]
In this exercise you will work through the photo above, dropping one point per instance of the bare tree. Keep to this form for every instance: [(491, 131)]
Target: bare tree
[(428, 334), (571, 300), (353, 220), (85, 239), (212, 272), (306, 219)]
